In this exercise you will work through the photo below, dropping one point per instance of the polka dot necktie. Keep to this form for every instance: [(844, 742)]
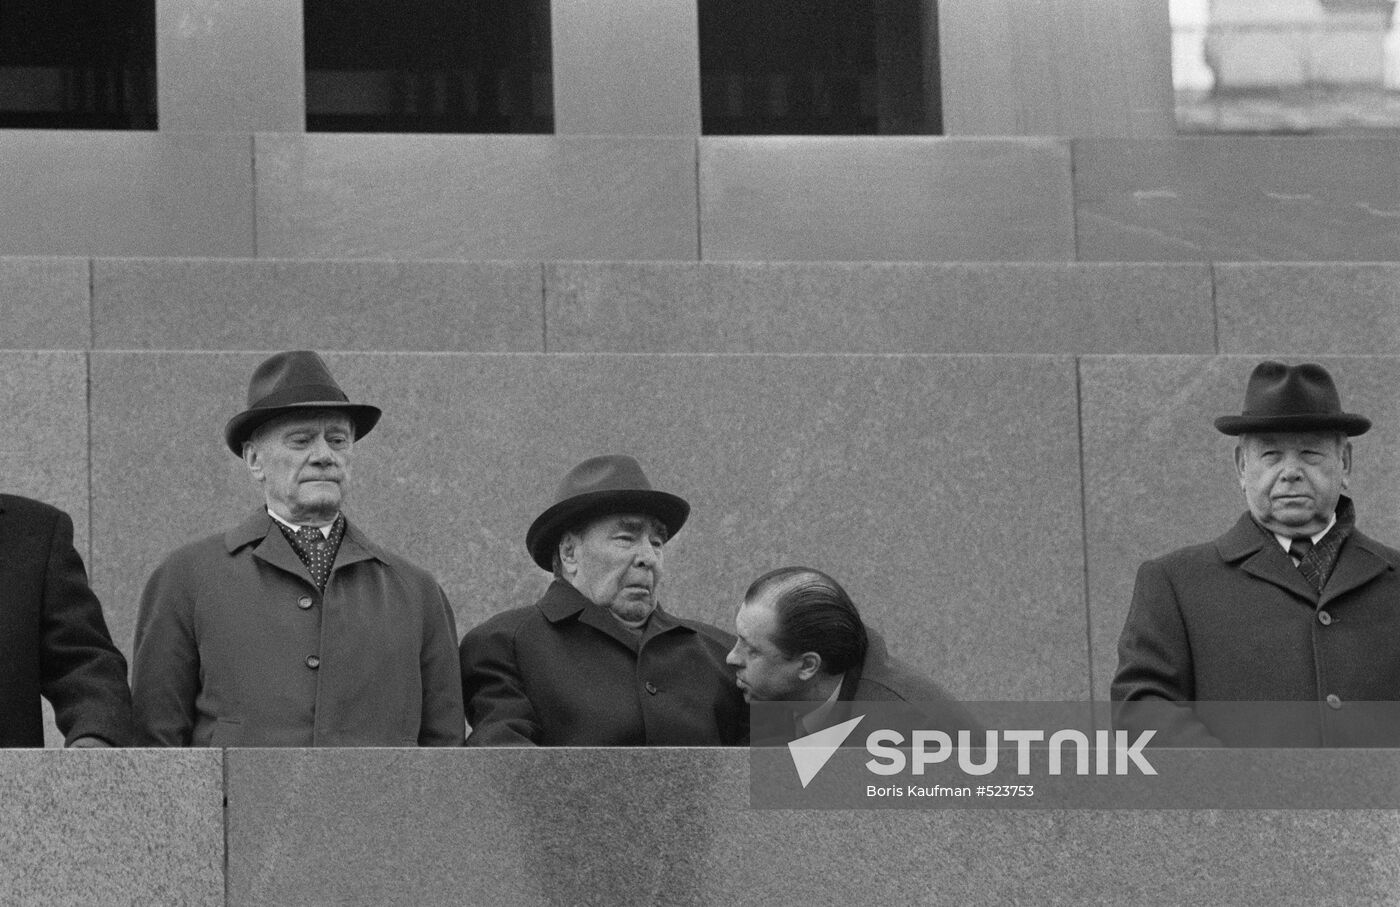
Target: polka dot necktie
[(316, 552)]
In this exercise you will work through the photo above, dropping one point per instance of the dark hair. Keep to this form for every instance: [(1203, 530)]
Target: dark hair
[(814, 614)]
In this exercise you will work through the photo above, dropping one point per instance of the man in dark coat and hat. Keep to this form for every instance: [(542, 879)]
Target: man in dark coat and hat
[(293, 628), (597, 661), (53, 638), (1285, 631)]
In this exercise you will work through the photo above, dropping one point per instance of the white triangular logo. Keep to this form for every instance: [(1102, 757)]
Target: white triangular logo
[(812, 752)]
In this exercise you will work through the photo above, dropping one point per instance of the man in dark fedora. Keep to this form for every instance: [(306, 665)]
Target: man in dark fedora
[(803, 647), (1285, 631), (53, 639), (596, 661), (293, 628)]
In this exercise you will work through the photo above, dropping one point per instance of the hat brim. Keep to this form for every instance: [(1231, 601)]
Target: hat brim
[(241, 427), (543, 537), (1349, 423)]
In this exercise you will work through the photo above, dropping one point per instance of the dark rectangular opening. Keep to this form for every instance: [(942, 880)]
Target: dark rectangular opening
[(77, 64), (428, 66), (819, 67)]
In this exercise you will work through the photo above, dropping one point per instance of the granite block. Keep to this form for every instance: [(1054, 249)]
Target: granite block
[(111, 827), (500, 827), (476, 197), (1049, 67), (44, 303), (848, 199), (673, 826), (1238, 198), (877, 307), (43, 406), (225, 304), (820, 460), (1309, 309), (230, 67), (625, 67), (1158, 475), (133, 193)]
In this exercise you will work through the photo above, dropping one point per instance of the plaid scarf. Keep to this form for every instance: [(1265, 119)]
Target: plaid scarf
[(316, 551), (1317, 564)]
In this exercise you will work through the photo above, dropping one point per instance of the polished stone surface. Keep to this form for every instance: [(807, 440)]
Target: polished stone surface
[(625, 68), (877, 307), (1309, 309), (125, 193), (617, 826), (230, 67), (1237, 198), (111, 827), (44, 303), (901, 475), (919, 199), (222, 304), (476, 196), (1091, 67), (43, 406), (1158, 476)]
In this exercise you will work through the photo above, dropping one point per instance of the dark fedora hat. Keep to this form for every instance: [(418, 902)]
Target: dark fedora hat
[(1292, 398), (596, 487), (291, 381)]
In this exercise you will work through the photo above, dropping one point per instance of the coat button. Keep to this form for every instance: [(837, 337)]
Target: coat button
[(1334, 700), (313, 662), (1324, 618), (651, 688), (304, 602)]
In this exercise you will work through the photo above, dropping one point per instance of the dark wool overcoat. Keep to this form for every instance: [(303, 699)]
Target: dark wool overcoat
[(1234, 626), (912, 702), (236, 647), (564, 672), (53, 639)]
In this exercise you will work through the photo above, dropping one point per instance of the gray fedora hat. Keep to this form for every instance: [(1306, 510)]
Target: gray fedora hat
[(290, 381), (596, 487), (1292, 398)]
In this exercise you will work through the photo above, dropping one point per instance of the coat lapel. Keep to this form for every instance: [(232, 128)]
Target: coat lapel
[(1357, 564), (269, 544), (1260, 556), (354, 547), (272, 547), (562, 602)]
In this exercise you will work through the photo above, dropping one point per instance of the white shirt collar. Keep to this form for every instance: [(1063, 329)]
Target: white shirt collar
[(812, 721), (1316, 537), (325, 530)]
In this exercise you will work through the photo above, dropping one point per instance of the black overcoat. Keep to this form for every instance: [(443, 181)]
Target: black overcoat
[(53, 639), (1233, 626)]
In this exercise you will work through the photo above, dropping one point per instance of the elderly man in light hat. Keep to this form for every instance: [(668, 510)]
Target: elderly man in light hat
[(293, 628), (1285, 631), (596, 661)]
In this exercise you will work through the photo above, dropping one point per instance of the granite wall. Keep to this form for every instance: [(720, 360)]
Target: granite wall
[(567, 827), (678, 198), (982, 452)]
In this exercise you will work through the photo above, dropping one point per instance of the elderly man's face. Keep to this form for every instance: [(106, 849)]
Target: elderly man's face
[(302, 461), (764, 672), (1292, 480), (616, 562)]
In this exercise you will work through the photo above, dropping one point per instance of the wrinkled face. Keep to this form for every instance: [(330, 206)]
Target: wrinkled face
[(764, 672), (302, 461), (616, 562), (1292, 480)]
